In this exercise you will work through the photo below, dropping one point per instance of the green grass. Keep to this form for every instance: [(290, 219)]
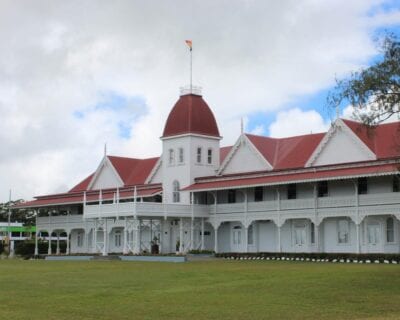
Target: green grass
[(197, 290)]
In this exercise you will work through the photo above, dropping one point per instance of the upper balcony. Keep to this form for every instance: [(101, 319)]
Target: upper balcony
[(147, 209)]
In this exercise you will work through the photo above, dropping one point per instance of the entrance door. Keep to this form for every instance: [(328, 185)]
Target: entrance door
[(374, 237), (237, 239), (300, 237)]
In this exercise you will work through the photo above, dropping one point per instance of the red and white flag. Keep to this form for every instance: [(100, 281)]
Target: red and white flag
[(189, 43)]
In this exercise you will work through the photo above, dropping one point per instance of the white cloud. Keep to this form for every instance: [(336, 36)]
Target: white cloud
[(296, 122), (59, 57)]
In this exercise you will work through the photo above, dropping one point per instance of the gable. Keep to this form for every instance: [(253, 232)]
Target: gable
[(244, 157), (155, 175), (340, 145), (105, 177)]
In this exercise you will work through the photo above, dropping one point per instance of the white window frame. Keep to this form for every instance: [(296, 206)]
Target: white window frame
[(210, 156), (199, 155), (181, 155), (176, 194), (118, 239), (250, 235), (171, 157), (391, 230)]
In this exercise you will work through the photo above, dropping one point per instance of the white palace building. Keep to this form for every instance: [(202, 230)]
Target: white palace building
[(327, 192)]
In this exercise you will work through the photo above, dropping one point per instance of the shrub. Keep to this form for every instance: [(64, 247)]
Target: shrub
[(27, 248)]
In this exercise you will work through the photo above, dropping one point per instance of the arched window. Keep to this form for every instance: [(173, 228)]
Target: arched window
[(176, 196), (389, 230)]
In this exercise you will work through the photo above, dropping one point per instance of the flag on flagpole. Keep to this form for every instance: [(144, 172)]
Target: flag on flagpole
[(189, 43)]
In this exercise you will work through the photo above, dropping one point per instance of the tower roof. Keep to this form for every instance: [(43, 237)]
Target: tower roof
[(191, 114)]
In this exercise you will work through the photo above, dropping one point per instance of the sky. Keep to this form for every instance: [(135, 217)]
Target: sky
[(75, 75)]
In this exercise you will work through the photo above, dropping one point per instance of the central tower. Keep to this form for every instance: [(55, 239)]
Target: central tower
[(190, 146)]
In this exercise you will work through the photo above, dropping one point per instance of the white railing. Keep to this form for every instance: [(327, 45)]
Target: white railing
[(54, 222), (152, 209)]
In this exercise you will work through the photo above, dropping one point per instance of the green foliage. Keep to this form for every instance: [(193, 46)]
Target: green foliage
[(1, 247), (201, 252), (21, 215), (27, 248), (374, 91)]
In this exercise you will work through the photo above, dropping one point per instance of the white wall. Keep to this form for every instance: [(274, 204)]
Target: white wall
[(245, 159), (341, 148), (186, 172), (106, 178)]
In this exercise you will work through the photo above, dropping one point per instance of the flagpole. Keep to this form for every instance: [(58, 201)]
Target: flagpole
[(191, 70)]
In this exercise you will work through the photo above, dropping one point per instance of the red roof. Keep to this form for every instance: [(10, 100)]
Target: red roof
[(133, 171), (191, 114), (77, 197), (223, 152), (275, 178), (286, 153), (383, 139)]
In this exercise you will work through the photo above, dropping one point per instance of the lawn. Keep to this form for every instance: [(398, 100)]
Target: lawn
[(198, 290)]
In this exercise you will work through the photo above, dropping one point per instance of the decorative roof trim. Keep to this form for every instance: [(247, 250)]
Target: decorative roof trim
[(154, 170), (191, 135), (243, 139), (337, 125), (105, 161), (298, 181)]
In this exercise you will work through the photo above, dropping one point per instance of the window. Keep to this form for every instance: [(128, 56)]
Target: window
[(237, 235), (79, 239), (390, 229), (231, 196), (171, 156), (206, 233), (250, 235), (362, 186), (258, 194), (209, 156), (322, 189), (396, 184), (312, 235), (198, 155), (117, 238), (343, 231), (291, 191), (300, 234), (176, 196), (181, 155)]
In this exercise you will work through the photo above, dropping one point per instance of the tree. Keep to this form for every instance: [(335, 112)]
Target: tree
[(374, 92), (20, 215)]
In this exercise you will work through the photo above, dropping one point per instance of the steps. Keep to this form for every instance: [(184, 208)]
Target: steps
[(105, 258)]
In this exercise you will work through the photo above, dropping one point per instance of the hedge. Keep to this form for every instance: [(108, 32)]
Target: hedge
[(27, 248), (381, 257)]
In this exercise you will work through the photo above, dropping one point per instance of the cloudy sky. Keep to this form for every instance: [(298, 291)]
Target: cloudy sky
[(77, 74)]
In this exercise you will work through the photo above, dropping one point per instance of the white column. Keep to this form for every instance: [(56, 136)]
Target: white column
[(95, 237), (358, 237), (49, 249), (58, 244), (216, 238), (137, 242), (279, 239), (202, 233), (86, 240), (192, 235), (125, 250), (246, 238), (36, 235), (181, 236), (316, 234), (105, 238), (67, 249), (160, 246)]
